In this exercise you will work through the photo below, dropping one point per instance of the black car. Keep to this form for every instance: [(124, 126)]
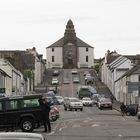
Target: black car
[(23, 112), (131, 109)]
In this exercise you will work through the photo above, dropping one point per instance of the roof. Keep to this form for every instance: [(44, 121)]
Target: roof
[(4, 73), (60, 43), (111, 58), (129, 72)]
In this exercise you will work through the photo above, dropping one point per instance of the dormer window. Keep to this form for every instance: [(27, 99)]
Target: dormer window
[(86, 49), (52, 49)]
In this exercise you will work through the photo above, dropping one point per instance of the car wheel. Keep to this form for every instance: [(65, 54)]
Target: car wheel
[(128, 113), (27, 125), (70, 109), (81, 109), (65, 108), (53, 118)]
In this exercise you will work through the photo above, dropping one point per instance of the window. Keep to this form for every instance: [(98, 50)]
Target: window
[(11, 105), (86, 49), (52, 49), (86, 58), (52, 58), (30, 103)]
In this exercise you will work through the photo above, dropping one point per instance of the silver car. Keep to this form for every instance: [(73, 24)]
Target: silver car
[(72, 103)]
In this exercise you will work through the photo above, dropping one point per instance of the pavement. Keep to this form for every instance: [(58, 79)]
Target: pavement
[(103, 89)]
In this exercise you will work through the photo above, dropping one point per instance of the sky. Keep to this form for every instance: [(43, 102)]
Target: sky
[(104, 24)]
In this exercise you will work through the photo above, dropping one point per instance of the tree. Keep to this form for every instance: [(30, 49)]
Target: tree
[(97, 68), (28, 73)]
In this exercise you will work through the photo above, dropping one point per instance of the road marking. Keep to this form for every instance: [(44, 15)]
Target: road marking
[(76, 125), (120, 135), (95, 125)]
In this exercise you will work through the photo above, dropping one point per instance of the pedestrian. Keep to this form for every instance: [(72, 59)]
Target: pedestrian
[(45, 107), (123, 108)]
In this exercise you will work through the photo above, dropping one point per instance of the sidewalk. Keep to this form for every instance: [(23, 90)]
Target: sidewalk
[(103, 89)]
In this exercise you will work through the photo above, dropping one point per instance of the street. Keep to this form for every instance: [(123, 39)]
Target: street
[(91, 123)]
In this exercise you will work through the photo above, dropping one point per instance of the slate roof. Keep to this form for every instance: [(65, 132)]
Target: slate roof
[(60, 43), (111, 58)]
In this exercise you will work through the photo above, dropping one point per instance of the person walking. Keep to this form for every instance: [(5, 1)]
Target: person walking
[(123, 108), (45, 107)]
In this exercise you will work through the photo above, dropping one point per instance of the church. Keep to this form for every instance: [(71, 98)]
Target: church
[(70, 51)]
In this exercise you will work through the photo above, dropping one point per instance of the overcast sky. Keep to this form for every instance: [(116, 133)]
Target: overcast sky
[(103, 24)]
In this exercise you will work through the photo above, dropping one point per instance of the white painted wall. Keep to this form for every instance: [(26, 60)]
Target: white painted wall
[(13, 80), (82, 53), (58, 60)]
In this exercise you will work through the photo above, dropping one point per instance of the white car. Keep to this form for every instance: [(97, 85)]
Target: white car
[(60, 99), (72, 103), (75, 80), (20, 136), (87, 101), (55, 81), (74, 71)]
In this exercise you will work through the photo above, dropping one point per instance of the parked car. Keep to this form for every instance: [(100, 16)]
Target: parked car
[(95, 98), (55, 81), (84, 91), (138, 111), (131, 109), (75, 80), (60, 99), (74, 71), (72, 103), (87, 102), (20, 136), (55, 73), (85, 73), (23, 112), (104, 103)]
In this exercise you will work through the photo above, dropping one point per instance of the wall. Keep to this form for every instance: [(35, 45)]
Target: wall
[(58, 57)]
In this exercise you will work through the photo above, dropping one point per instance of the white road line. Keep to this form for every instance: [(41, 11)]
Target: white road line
[(95, 125)]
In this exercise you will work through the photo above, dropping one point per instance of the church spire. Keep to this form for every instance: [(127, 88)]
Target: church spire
[(69, 35)]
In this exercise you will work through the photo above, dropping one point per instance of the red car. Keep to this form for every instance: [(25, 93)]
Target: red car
[(104, 103), (54, 113)]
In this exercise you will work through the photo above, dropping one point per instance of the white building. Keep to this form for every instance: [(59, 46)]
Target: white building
[(70, 51), (112, 68), (13, 80), (125, 95)]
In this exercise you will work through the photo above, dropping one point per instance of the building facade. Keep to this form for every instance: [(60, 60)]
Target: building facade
[(70, 51)]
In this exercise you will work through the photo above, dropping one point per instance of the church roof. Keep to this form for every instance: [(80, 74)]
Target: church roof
[(60, 43)]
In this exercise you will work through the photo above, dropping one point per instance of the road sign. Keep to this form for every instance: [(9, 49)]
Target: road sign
[(2, 90)]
